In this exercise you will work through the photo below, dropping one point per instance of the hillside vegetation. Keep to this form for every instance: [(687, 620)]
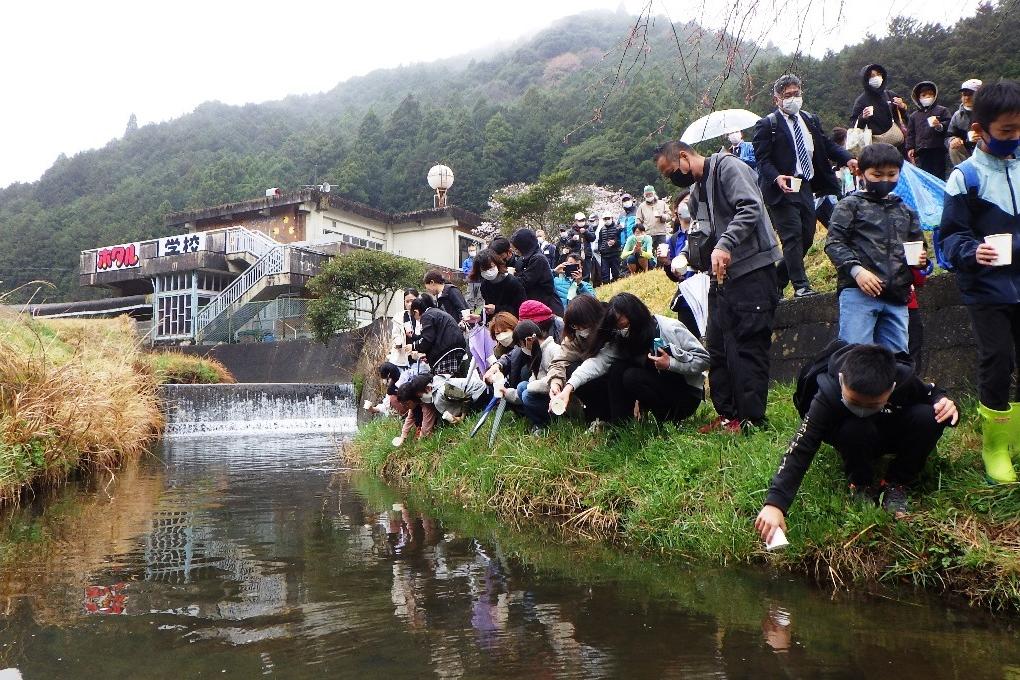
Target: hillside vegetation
[(577, 96)]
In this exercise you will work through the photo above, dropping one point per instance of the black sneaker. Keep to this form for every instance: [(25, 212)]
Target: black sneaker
[(804, 292), (894, 500), (864, 493)]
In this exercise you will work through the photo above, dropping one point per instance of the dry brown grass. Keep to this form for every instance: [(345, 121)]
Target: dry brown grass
[(73, 395)]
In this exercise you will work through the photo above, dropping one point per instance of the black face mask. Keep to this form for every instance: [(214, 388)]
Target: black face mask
[(881, 189), (681, 178)]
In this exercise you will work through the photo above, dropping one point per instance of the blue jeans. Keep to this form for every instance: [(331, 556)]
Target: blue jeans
[(867, 320), (536, 406)]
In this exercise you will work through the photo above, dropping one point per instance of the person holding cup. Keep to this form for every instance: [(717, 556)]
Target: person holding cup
[(980, 232), (637, 250), (875, 241), (926, 130)]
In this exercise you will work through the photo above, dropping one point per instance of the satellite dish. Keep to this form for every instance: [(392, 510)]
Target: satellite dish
[(440, 177)]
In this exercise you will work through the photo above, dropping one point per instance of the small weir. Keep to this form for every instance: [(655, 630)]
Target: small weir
[(253, 407)]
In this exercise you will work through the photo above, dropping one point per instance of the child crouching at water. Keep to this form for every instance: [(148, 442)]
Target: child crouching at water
[(416, 397)]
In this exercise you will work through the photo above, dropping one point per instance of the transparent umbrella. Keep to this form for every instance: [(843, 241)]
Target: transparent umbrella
[(719, 123)]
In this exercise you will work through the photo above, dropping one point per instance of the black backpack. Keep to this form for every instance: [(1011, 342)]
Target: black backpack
[(807, 379)]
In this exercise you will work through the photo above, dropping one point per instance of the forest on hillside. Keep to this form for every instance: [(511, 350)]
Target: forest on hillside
[(591, 94)]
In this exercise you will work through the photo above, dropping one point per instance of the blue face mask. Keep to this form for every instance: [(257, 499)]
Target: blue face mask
[(1001, 147)]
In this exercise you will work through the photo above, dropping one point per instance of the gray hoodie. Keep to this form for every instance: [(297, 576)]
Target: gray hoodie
[(688, 356), (729, 203)]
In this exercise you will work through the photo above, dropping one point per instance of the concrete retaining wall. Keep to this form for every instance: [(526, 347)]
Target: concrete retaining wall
[(804, 327)]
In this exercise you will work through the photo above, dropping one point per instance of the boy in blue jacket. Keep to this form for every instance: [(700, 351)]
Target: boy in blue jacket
[(981, 201)]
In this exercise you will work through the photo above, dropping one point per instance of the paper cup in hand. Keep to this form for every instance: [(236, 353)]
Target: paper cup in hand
[(933, 121), (1003, 244), (913, 250), (558, 405), (795, 183), (972, 136), (662, 250), (778, 540), (368, 404), (408, 328)]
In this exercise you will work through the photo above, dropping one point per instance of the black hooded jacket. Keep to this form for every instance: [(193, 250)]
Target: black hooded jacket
[(534, 272), (920, 135), (880, 98), (827, 412)]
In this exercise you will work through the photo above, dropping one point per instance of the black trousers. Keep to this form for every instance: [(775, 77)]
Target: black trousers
[(595, 397), (664, 394), (794, 220), (910, 435), (997, 330), (932, 161), (915, 340), (610, 267), (739, 337)]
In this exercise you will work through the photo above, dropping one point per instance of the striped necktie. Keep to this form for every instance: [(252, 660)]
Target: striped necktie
[(803, 157)]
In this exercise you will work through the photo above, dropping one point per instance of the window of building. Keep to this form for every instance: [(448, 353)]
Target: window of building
[(173, 315), (463, 242), (369, 243)]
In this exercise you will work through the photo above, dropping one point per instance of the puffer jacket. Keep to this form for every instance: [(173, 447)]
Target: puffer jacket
[(869, 232), (688, 356), (920, 135), (969, 216), (880, 98), (607, 233)]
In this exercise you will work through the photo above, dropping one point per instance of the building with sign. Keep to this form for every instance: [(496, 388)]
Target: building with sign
[(228, 268)]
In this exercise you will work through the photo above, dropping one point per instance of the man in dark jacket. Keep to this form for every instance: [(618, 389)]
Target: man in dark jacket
[(795, 161), (733, 224), (438, 336), (448, 296), (926, 130), (534, 272), (959, 141), (867, 404), (609, 246), (579, 240)]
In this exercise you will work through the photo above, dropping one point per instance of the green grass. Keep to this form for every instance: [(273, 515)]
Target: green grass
[(174, 368), (673, 492)]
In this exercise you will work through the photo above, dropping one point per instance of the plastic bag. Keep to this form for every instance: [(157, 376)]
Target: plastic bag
[(923, 193), (856, 139)]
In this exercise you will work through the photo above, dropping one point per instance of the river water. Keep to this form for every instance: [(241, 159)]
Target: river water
[(258, 555)]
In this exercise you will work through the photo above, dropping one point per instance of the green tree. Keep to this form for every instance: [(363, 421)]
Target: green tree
[(543, 205), (365, 279)]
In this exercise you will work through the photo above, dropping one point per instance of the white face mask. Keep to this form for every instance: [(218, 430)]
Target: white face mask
[(685, 211), (471, 253), (628, 203), (490, 274), (506, 338), (927, 101), (875, 81), (582, 333), (650, 199), (791, 105), (735, 138), (426, 398)]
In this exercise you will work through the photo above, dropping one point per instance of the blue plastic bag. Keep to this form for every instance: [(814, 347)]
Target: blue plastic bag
[(923, 193)]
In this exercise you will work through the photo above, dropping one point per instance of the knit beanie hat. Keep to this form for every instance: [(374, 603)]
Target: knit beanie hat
[(533, 310)]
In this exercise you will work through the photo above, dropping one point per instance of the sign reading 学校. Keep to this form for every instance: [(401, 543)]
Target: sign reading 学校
[(179, 245)]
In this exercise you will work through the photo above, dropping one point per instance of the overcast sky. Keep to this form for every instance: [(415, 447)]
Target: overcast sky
[(75, 71)]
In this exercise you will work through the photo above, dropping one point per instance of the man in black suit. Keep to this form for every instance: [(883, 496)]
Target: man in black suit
[(795, 160)]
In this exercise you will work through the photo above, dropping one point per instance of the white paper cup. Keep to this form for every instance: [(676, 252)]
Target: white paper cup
[(795, 183), (558, 406), (408, 327), (662, 250), (465, 313), (868, 111), (368, 404), (778, 540), (448, 417), (913, 250), (933, 121), (1003, 244), (972, 136)]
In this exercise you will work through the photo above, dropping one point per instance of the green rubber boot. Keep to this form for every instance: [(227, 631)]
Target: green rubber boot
[(997, 431)]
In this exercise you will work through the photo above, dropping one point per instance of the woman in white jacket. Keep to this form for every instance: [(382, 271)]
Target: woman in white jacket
[(654, 363), (533, 394)]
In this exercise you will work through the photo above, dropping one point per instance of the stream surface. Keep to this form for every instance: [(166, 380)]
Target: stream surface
[(257, 555)]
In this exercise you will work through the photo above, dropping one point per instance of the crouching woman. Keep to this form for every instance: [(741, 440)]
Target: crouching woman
[(655, 365), (532, 394)]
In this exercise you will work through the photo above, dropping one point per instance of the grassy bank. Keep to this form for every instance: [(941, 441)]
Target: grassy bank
[(75, 395), (694, 497)]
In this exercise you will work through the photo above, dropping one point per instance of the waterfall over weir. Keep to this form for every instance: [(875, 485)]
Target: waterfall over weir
[(259, 407)]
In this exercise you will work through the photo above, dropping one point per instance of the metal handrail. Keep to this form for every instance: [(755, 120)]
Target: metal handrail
[(273, 262), (242, 240)]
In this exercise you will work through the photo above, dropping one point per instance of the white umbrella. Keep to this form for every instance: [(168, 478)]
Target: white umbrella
[(719, 123)]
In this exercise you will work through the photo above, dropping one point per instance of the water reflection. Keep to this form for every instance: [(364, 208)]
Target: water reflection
[(257, 557)]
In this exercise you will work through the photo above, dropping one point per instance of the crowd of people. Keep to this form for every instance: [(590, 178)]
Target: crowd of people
[(533, 335)]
